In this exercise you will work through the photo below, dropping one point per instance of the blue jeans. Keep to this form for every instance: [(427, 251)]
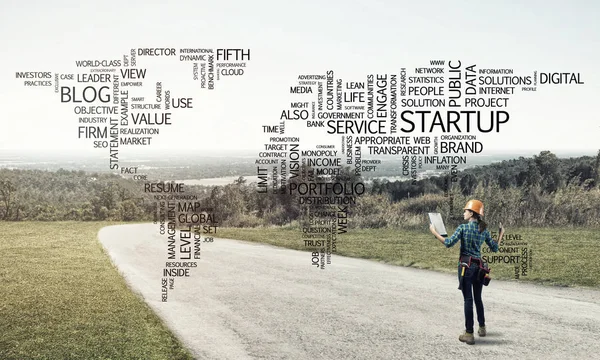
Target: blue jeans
[(471, 289)]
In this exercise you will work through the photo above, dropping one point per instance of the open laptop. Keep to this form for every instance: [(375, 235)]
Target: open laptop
[(438, 223)]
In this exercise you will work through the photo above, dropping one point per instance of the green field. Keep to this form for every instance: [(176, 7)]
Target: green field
[(62, 298), (563, 256)]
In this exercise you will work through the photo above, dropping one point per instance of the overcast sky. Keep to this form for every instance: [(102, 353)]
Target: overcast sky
[(353, 38)]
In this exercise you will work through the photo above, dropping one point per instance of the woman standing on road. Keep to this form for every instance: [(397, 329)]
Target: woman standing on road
[(472, 235)]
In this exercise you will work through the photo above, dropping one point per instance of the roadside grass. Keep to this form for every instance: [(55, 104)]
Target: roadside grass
[(62, 298), (559, 256)]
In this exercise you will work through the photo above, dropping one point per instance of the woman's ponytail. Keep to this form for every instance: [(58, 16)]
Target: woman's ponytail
[(481, 223)]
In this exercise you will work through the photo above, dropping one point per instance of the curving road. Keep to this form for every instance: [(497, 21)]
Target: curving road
[(254, 301)]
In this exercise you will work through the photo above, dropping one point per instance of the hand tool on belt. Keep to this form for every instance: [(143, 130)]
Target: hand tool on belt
[(484, 274), (465, 263)]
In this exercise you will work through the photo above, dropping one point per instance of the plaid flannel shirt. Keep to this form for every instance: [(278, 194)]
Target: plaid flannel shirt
[(471, 239)]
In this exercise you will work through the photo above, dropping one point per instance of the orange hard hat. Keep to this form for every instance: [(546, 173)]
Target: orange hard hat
[(475, 206)]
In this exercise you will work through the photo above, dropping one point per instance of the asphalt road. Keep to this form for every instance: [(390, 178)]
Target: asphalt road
[(252, 301)]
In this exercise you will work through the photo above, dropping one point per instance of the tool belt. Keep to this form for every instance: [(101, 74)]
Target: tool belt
[(484, 271)]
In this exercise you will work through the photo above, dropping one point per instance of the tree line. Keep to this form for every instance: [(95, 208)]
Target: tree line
[(538, 191)]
